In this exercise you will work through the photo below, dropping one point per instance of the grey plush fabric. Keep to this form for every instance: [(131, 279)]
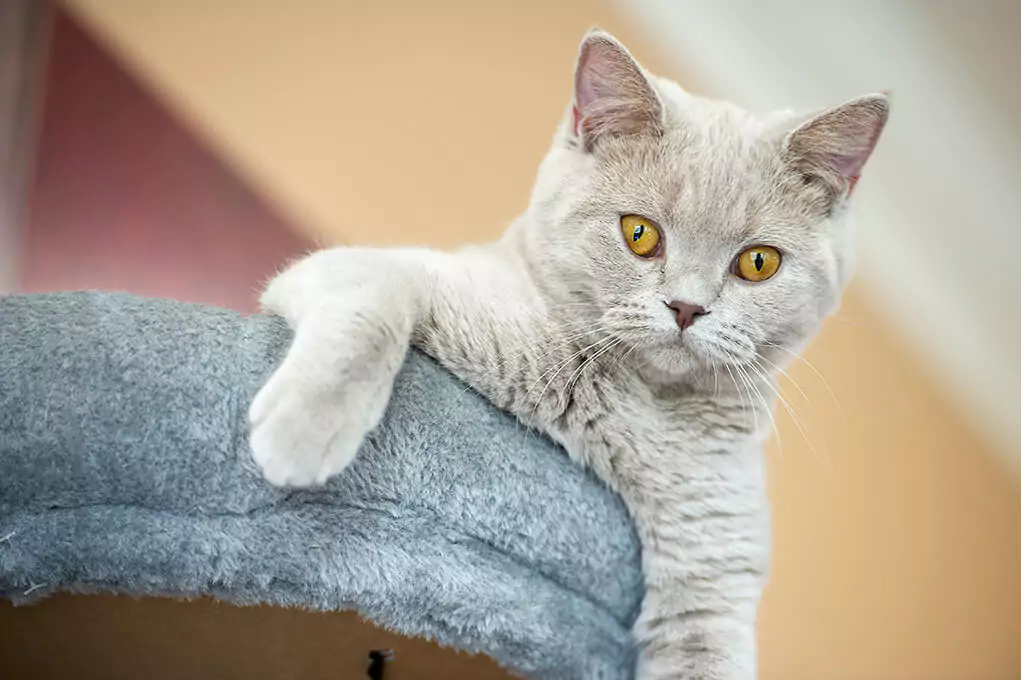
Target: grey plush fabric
[(124, 468)]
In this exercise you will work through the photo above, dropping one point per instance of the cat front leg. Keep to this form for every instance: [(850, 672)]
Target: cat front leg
[(705, 543), (695, 645), (353, 311)]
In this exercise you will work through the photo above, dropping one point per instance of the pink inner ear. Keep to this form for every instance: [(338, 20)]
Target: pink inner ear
[(593, 70), (851, 164), (593, 67), (851, 182), (850, 167)]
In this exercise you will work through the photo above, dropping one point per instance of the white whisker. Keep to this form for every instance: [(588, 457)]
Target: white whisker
[(796, 419), (561, 343), (602, 350), (740, 393), (559, 368), (805, 361), (752, 387), (786, 375)]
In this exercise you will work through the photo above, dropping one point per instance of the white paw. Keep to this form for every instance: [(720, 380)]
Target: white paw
[(306, 428)]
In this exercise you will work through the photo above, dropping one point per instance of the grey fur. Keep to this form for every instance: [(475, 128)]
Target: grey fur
[(560, 324), (124, 468)]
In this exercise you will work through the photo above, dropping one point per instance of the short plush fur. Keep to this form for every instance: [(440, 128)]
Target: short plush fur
[(561, 324), (124, 467)]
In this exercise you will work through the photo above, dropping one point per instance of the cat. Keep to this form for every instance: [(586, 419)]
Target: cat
[(675, 254)]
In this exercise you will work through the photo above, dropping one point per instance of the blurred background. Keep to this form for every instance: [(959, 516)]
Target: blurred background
[(187, 148)]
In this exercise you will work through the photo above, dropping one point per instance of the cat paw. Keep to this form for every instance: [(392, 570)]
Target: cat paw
[(304, 430)]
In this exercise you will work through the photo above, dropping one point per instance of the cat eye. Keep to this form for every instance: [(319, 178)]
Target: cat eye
[(757, 263), (641, 235)]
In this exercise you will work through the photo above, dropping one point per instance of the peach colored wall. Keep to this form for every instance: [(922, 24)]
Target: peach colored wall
[(897, 533)]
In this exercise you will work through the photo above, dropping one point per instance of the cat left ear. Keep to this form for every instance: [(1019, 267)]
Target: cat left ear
[(612, 96), (832, 147)]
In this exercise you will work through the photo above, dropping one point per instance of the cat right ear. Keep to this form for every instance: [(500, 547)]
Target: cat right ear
[(612, 96), (832, 147)]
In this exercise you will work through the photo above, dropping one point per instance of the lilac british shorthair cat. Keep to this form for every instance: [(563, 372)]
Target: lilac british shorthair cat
[(675, 254)]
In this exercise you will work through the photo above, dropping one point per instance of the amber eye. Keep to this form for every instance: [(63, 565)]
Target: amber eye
[(641, 235), (758, 263)]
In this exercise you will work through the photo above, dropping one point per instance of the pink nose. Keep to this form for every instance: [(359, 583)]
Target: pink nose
[(685, 312)]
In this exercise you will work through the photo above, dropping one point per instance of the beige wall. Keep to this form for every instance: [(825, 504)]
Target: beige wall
[(898, 538)]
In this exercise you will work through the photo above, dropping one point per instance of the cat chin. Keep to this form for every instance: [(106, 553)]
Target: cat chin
[(671, 364)]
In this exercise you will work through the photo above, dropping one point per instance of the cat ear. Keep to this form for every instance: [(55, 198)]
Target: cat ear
[(832, 147), (612, 96)]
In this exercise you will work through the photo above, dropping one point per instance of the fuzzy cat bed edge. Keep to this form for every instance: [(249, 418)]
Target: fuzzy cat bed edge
[(124, 468)]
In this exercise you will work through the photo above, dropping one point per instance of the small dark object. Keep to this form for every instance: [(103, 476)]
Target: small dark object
[(377, 663)]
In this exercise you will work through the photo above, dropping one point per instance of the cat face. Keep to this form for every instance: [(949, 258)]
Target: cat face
[(650, 198)]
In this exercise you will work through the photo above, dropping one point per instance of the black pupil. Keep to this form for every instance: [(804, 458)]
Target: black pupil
[(759, 261), (639, 230)]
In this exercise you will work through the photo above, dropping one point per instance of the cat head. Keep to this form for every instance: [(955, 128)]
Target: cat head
[(690, 230)]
